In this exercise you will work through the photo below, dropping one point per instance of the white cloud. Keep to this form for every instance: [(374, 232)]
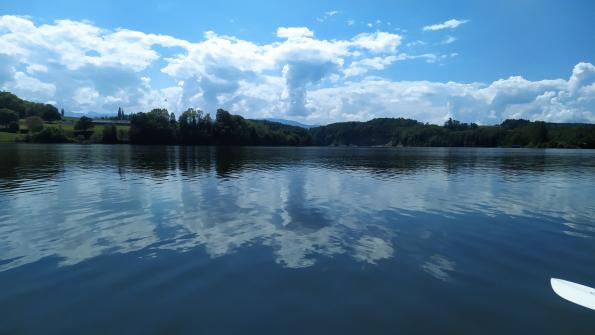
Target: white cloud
[(583, 75), (86, 68), (31, 86), (32, 68), (294, 32), (377, 63), (328, 15), (449, 40), (377, 42), (62, 57), (415, 43), (86, 96), (515, 97), (450, 24)]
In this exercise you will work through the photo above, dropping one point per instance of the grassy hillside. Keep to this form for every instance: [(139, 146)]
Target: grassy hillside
[(68, 127)]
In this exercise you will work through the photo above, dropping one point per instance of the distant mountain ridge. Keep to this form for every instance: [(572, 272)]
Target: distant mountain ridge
[(93, 115), (292, 123)]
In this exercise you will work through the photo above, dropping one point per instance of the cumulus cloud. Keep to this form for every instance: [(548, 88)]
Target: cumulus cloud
[(82, 67), (377, 42), (362, 66), (294, 32), (450, 24), (23, 82), (62, 58), (550, 100)]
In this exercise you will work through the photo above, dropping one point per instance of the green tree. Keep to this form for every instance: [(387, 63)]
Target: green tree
[(172, 119), (7, 117), (34, 123), (83, 123), (45, 111), (233, 129), (195, 127), (14, 103), (514, 123), (539, 133), (153, 127)]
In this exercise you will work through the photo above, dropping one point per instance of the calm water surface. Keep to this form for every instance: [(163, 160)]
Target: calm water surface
[(124, 239)]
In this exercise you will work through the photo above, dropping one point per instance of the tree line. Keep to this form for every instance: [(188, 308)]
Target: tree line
[(407, 132), (195, 127), (23, 109)]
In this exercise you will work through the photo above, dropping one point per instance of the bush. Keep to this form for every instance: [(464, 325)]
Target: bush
[(34, 123), (50, 135), (13, 127), (123, 135), (96, 137), (83, 135)]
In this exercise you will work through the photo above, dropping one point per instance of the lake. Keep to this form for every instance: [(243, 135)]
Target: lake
[(122, 239)]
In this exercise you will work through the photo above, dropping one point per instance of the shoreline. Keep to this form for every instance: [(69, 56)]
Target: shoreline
[(290, 146)]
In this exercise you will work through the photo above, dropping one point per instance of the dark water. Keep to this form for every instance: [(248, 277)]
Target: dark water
[(122, 239)]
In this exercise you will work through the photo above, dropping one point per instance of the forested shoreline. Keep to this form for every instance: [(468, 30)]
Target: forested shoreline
[(26, 121)]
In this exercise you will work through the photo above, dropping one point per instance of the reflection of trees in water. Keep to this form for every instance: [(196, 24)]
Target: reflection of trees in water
[(535, 162), (23, 162), (229, 160), (156, 161), (195, 160), (161, 162), (20, 163)]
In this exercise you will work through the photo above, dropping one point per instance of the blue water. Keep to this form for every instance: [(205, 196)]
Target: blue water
[(161, 240)]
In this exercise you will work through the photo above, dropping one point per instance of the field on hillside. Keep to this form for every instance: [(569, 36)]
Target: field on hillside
[(68, 126), (8, 137)]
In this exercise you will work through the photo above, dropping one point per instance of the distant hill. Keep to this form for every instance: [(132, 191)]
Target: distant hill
[(292, 123), (23, 108), (407, 132)]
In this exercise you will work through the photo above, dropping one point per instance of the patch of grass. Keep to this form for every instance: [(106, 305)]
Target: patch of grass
[(68, 128), (97, 129), (8, 137)]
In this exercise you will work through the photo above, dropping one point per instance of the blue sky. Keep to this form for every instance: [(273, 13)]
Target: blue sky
[(355, 60)]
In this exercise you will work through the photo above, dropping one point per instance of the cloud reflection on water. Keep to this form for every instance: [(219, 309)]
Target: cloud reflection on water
[(79, 202)]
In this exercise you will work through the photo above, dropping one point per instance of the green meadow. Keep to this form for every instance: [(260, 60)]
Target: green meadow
[(68, 126)]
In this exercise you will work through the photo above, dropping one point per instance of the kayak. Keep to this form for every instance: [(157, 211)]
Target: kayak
[(576, 293)]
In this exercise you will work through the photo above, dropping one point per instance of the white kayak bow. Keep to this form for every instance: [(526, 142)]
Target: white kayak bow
[(576, 293)]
